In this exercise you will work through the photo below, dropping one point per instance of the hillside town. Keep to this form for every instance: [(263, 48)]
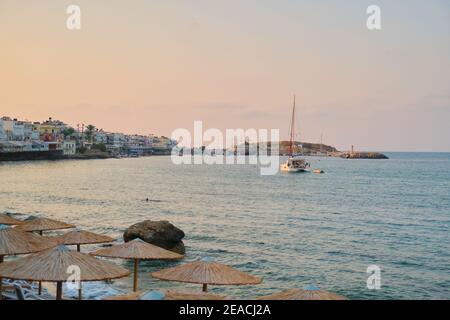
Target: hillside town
[(54, 138)]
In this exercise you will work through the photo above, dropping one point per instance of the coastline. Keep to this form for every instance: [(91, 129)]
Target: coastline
[(104, 155), (56, 156)]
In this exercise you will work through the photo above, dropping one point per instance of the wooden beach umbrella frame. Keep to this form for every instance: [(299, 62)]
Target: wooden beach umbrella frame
[(9, 221), (309, 292), (17, 242), (43, 224), (137, 250), (51, 265), (206, 272)]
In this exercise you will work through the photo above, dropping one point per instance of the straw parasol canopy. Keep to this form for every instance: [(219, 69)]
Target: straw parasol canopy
[(14, 242), (52, 265), (137, 250), (206, 272), (310, 292), (79, 237), (43, 224), (5, 219)]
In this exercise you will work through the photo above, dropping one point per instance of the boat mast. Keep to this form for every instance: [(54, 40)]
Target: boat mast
[(292, 133)]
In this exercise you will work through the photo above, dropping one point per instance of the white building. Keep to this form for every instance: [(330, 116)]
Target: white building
[(115, 141), (6, 128), (14, 130), (100, 137), (18, 133), (69, 148), (2, 131), (30, 133)]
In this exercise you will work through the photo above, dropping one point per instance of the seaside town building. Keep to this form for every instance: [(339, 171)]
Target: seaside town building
[(69, 148), (51, 130), (26, 136), (2, 130), (100, 136), (18, 132), (56, 136), (6, 128), (115, 142)]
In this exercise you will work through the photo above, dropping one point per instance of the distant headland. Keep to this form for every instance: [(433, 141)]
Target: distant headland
[(314, 149)]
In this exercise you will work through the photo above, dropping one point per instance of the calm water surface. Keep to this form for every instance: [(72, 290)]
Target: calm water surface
[(292, 230)]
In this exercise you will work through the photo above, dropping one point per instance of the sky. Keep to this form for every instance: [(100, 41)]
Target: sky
[(154, 66)]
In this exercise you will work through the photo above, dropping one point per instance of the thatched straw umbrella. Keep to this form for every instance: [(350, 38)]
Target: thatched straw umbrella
[(51, 266), (15, 242), (137, 250), (310, 292), (205, 272), (43, 224), (5, 219), (79, 237)]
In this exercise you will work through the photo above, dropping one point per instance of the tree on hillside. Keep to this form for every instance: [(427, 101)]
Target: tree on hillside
[(89, 133), (67, 132)]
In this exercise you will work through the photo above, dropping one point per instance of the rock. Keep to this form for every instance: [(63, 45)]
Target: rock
[(160, 233)]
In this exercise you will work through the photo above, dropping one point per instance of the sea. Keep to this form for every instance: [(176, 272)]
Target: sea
[(365, 229)]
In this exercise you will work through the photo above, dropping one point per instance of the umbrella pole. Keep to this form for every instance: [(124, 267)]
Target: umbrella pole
[(135, 279), (80, 291), (205, 287), (59, 290), (1, 281), (40, 288), (41, 232)]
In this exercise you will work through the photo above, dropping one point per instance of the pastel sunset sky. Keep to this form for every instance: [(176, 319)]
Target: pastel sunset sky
[(151, 66)]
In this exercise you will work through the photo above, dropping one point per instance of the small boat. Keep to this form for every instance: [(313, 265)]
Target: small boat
[(294, 163)]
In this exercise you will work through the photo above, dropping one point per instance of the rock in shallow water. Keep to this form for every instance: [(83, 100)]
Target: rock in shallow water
[(160, 233)]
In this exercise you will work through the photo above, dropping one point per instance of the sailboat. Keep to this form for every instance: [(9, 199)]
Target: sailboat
[(294, 163)]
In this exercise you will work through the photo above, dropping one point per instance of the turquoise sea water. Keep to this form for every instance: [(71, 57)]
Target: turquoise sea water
[(292, 230)]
